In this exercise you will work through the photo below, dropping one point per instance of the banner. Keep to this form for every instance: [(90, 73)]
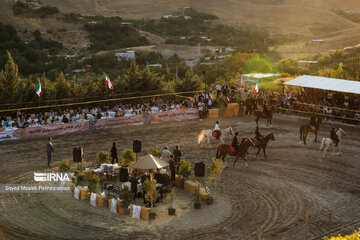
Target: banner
[(9, 134), (175, 115), (53, 129), (119, 121)]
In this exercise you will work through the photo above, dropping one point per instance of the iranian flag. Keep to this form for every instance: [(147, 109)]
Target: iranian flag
[(38, 89), (107, 80), (256, 88)]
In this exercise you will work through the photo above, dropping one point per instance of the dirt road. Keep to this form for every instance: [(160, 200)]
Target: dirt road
[(272, 193)]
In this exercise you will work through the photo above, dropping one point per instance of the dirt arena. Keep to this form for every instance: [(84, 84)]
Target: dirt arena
[(272, 193)]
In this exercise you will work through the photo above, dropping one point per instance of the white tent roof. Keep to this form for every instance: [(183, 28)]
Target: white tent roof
[(330, 84), (149, 162)]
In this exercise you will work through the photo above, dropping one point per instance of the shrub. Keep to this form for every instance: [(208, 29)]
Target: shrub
[(93, 182), (103, 157), (185, 169), (126, 197), (64, 166), (150, 187), (170, 198), (354, 236), (156, 151), (214, 172), (127, 157)]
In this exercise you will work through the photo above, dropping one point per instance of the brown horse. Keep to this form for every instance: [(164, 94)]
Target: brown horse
[(260, 114), (262, 145), (305, 129), (224, 149)]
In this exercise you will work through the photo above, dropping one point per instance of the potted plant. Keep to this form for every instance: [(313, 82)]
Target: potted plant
[(170, 198), (127, 157), (156, 151), (103, 157), (149, 187), (197, 200), (93, 182), (184, 170), (64, 166), (214, 175), (126, 196)]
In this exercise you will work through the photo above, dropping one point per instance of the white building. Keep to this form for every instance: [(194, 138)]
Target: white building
[(127, 56)]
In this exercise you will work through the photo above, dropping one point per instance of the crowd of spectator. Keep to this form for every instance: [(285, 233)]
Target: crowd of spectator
[(23, 120), (310, 100)]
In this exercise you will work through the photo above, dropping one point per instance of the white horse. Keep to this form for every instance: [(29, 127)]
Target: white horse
[(206, 135), (326, 142)]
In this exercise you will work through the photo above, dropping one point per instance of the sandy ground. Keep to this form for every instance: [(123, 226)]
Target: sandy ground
[(272, 193)]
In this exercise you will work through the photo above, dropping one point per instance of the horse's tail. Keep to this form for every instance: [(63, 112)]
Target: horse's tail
[(301, 132), (201, 136), (217, 152), (322, 143)]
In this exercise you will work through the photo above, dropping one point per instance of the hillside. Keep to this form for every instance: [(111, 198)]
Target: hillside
[(311, 19)]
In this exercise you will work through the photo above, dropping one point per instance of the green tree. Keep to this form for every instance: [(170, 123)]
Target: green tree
[(27, 90), (258, 64), (62, 87), (149, 81), (132, 77), (76, 89), (98, 87), (190, 82), (9, 81)]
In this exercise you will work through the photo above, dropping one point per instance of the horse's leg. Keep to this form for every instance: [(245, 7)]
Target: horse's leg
[(246, 162), (264, 152), (258, 152), (304, 137), (257, 120), (235, 161), (326, 148), (315, 136)]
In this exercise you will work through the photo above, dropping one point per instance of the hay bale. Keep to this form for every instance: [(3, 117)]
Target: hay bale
[(236, 109), (228, 113), (178, 182), (100, 200), (203, 194), (213, 113), (145, 213), (84, 193), (190, 186), (120, 209)]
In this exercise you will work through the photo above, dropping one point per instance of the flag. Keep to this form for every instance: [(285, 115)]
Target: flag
[(38, 89), (256, 89), (107, 80)]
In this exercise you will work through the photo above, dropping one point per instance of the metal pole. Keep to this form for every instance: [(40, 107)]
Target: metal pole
[(330, 223), (306, 225)]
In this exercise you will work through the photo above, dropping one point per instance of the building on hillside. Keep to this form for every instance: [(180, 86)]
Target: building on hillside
[(350, 12), (125, 56), (155, 65), (306, 64), (317, 41)]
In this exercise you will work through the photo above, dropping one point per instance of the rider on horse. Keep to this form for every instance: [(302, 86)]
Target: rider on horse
[(235, 143), (265, 110), (334, 137), (217, 130), (258, 135), (313, 122)]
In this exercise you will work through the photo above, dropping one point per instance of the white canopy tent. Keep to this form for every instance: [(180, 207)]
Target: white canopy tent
[(329, 84), (149, 162)]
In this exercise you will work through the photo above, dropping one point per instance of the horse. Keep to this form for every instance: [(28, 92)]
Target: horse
[(262, 145), (224, 149), (206, 135), (305, 129), (260, 114), (326, 142)]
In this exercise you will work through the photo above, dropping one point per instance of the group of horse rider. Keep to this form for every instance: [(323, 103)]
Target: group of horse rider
[(235, 142), (333, 135)]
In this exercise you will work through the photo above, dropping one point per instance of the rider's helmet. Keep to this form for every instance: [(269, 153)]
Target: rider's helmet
[(236, 133), (217, 122), (333, 128)]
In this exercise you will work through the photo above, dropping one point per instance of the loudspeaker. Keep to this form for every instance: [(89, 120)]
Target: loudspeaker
[(199, 169), (124, 174), (136, 146), (78, 154)]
